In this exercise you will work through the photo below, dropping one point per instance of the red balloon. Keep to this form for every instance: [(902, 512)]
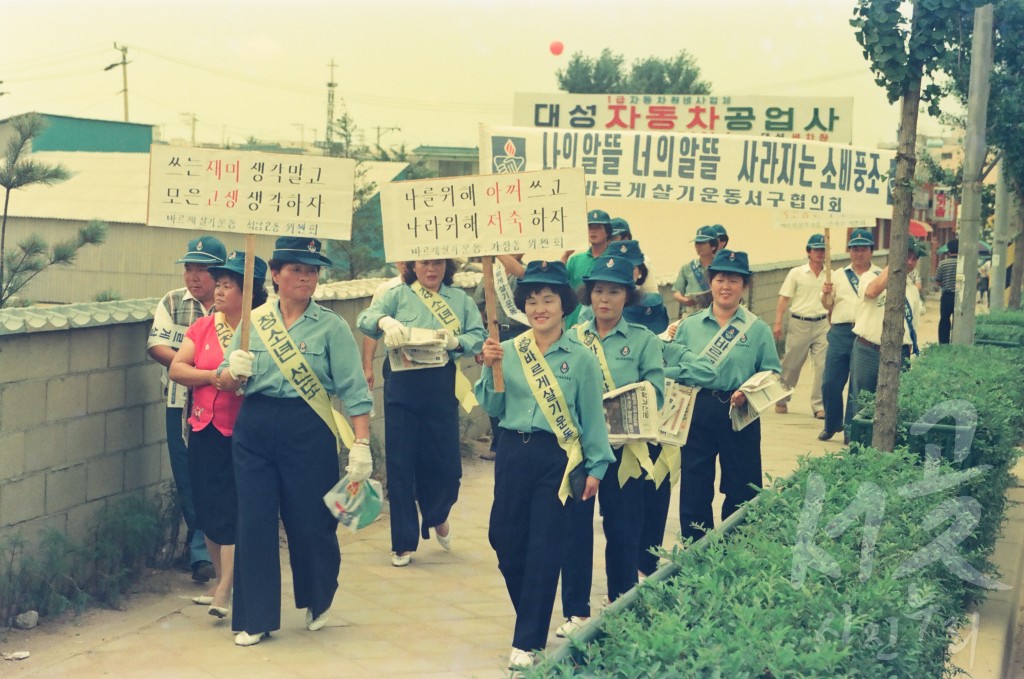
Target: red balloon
[(557, 47)]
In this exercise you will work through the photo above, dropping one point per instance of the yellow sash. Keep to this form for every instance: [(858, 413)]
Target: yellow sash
[(295, 368), (447, 318), (636, 458), (224, 331), (552, 403), (667, 465)]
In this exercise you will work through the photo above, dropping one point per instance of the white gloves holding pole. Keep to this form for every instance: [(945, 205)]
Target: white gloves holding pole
[(360, 463), (240, 363)]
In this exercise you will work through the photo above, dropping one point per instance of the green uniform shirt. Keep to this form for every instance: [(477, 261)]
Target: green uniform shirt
[(327, 344), (579, 378), (754, 351)]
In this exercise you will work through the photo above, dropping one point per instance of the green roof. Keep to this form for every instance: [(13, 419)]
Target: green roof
[(456, 151)]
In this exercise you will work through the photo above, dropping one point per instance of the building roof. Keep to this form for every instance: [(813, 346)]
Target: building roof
[(56, 115), (114, 187), (471, 152)]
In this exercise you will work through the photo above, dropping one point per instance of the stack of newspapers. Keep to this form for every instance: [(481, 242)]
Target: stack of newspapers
[(763, 390), (676, 413), (423, 348), (631, 413)]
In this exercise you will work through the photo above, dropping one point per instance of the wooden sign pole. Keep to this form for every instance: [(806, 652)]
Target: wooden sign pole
[(828, 257), (492, 318), (250, 264)]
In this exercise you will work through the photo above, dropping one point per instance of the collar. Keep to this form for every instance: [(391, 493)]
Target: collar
[(706, 315), (622, 327), (312, 311), (561, 344), (188, 297)]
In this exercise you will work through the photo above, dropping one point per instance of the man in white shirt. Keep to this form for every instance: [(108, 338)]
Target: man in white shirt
[(841, 299), (808, 323), (868, 326)]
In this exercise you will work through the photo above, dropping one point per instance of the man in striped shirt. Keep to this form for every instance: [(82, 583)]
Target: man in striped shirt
[(945, 276)]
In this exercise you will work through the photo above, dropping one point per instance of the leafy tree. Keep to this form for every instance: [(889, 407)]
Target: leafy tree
[(904, 52), (33, 255), (651, 75)]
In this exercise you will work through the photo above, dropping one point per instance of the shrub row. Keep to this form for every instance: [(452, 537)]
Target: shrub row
[(57, 574), (1003, 327), (860, 564)]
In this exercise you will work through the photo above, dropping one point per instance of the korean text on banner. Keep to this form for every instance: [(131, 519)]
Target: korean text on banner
[(726, 170), (812, 118), (247, 192), (483, 215)]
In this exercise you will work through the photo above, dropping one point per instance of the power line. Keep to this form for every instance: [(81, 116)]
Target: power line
[(58, 58)]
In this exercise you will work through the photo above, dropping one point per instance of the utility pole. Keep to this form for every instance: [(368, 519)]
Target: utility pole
[(329, 130), (974, 159), (302, 134), (381, 131), (190, 119), (1000, 241), (123, 49)]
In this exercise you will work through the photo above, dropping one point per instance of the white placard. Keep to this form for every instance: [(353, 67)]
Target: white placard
[(827, 119), (248, 192), (483, 215), (724, 170)]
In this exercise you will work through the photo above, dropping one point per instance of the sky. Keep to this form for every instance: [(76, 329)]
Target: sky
[(408, 71)]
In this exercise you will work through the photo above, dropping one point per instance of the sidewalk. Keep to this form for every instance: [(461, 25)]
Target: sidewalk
[(445, 615)]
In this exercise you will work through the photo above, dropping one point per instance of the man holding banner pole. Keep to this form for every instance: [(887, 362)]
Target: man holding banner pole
[(599, 233), (841, 298)]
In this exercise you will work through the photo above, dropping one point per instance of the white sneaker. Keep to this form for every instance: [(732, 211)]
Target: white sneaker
[(321, 620), (444, 540), (246, 639), (571, 625), (399, 561), (520, 660)]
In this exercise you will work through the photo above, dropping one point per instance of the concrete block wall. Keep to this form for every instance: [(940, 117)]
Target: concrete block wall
[(78, 425)]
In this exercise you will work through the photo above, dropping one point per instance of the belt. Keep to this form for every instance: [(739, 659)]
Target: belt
[(811, 319), (868, 344)]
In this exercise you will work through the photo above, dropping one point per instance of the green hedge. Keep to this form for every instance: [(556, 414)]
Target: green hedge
[(742, 604), (739, 608), (1000, 326)]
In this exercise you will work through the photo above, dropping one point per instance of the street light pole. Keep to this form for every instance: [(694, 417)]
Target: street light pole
[(123, 49)]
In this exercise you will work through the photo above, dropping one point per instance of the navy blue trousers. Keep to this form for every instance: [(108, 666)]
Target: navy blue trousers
[(656, 502), (422, 453), (285, 461), (836, 376), (622, 514), (711, 437), (527, 529), (178, 453)]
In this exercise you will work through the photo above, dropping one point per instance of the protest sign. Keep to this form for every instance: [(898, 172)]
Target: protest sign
[(826, 180), (812, 118), (483, 215), (252, 193)]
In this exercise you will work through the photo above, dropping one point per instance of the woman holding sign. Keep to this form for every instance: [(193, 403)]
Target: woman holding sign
[(286, 443), (212, 415), (738, 344), (552, 429), (421, 399), (627, 353)]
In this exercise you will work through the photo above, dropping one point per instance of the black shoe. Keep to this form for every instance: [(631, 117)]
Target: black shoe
[(825, 435), (202, 571)]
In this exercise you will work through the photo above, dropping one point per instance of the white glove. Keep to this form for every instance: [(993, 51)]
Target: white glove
[(360, 463), (395, 333), (451, 341), (240, 363)]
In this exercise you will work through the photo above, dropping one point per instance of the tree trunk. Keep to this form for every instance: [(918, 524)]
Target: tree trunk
[(887, 394), (1017, 227), (3, 247)]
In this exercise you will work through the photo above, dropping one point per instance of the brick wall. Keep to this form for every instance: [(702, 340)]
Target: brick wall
[(80, 423)]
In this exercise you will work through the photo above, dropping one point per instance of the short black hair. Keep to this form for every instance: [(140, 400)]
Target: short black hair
[(524, 290), (745, 277), (409, 275), (633, 295)]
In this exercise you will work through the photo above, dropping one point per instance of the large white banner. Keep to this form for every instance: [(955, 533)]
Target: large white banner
[(483, 215), (817, 179), (249, 192), (810, 118)]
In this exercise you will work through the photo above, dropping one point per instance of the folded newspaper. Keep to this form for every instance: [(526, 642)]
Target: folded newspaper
[(423, 348), (763, 389), (631, 413), (676, 413)]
